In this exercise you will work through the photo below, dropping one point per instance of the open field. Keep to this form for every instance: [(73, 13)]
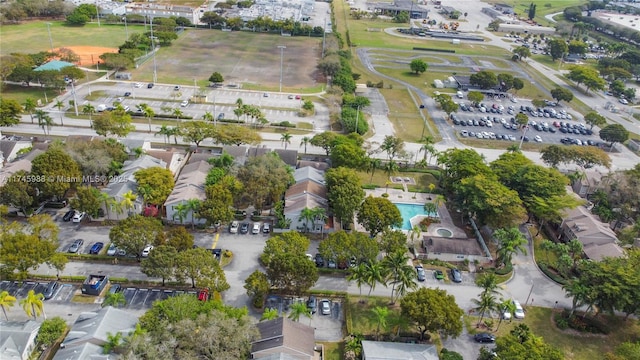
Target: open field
[(543, 7), (241, 57), (32, 36)]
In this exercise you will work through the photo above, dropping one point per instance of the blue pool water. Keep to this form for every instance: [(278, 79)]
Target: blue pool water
[(408, 211)]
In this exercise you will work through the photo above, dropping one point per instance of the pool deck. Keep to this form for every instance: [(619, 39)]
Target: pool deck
[(400, 196)]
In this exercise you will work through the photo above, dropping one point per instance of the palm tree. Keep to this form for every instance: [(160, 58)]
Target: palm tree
[(90, 110), (305, 215), (29, 106), (181, 211), (504, 306), (486, 303), (270, 314), (177, 113), (375, 273), (401, 274), (286, 139), (175, 132), (33, 304), (59, 104), (439, 200), (148, 113), (358, 274), (44, 120), (238, 112), (431, 208), (391, 168), (193, 205), (488, 282), (511, 241), (298, 309), (380, 319), (107, 201), (128, 201), (6, 301), (208, 116), (115, 300), (164, 131), (113, 341), (305, 141), (372, 165), (415, 232)]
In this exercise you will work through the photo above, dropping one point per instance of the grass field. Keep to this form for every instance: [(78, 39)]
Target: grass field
[(32, 36), (241, 57), (543, 7)]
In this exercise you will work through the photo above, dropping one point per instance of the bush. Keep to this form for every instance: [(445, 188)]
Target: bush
[(284, 124), (580, 323), (369, 186), (385, 195), (50, 331), (505, 270), (561, 322)]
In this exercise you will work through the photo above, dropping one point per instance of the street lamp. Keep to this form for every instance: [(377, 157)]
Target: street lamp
[(281, 47), (50, 38), (153, 48), (526, 127)]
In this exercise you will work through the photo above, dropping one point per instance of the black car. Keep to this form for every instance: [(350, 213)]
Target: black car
[(319, 260), (244, 228), (312, 304), (127, 93), (68, 215), (115, 288), (456, 276), (150, 86), (484, 338)]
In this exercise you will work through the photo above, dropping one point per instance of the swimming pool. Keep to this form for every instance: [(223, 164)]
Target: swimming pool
[(409, 211)]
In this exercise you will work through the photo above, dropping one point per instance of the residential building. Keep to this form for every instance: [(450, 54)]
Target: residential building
[(18, 339), (174, 158), (23, 164), (309, 192), (125, 182), (91, 331), (283, 338), (289, 157), (596, 237), (382, 350), (589, 184), (9, 149), (397, 6), (189, 185), (451, 249)]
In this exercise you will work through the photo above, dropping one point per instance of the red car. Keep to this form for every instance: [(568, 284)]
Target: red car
[(203, 295)]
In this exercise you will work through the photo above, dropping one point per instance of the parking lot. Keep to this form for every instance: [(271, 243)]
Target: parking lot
[(496, 121), (327, 327)]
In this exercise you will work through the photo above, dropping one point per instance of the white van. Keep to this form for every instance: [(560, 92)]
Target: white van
[(101, 108), (459, 95)]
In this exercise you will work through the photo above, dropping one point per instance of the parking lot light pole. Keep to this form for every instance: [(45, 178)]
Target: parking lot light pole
[(281, 47), (50, 38), (526, 127)]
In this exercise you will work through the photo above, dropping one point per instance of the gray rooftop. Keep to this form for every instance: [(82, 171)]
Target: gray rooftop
[(309, 173), (14, 337), (117, 187), (380, 350)]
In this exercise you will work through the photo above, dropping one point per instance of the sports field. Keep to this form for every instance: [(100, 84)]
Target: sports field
[(244, 58), (32, 36)]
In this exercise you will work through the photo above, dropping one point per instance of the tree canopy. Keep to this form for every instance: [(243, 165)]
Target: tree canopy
[(345, 193), (265, 178), (418, 66), (377, 214), (134, 233), (55, 172), (23, 249), (158, 184), (614, 133), (433, 310)]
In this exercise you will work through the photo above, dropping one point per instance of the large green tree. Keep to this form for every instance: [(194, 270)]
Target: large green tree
[(614, 133), (557, 48), (562, 94), (197, 131), (377, 214), (56, 172), (87, 200), (486, 199), (160, 263), (418, 66), (23, 249), (202, 268), (158, 184), (521, 344), (217, 207), (510, 242), (134, 233), (484, 79), (9, 112), (433, 310), (265, 179), (345, 193), (400, 274), (342, 246), (19, 192), (116, 122)]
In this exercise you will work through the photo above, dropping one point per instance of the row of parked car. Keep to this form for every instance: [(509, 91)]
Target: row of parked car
[(77, 244), (456, 276), (325, 305), (243, 228), (74, 216)]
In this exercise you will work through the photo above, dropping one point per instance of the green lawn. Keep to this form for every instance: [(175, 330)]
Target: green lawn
[(404, 115), (32, 36), (21, 93), (333, 350), (360, 317), (380, 179), (543, 7)]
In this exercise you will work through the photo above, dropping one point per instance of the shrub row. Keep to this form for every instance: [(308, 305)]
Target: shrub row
[(434, 49)]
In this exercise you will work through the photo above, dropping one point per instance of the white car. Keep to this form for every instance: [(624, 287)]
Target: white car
[(325, 306), (112, 250), (519, 312), (256, 228), (538, 138), (234, 227), (184, 103), (138, 85), (146, 251), (506, 314), (79, 216), (623, 101)]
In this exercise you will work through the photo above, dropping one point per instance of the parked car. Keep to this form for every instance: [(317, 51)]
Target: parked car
[(150, 86), (256, 228), (484, 338), (234, 227), (331, 264), (420, 271), (115, 288), (326, 307), (146, 251), (95, 249), (176, 88), (319, 260), (312, 304), (244, 228), (519, 312), (79, 216), (112, 250), (266, 228), (220, 116), (127, 93), (456, 276), (50, 290), (68, 215), (438, 274), (506, 314), (203, 295), (75, 247)]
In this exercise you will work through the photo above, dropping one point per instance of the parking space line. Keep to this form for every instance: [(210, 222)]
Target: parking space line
[(215, 241)]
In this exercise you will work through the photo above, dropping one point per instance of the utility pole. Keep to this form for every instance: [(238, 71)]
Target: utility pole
[(153, 48), (324, 35), (75, 99), (98, 13), (126, 30), (50, 38), (281, 47), (357, 115)]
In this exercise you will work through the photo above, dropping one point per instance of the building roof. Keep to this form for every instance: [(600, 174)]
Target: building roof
[(82, 351), (15, 337), (93, 327), (12, 168), (289, 157), (190, 183), (309, 173), (306, 187), (451, 245), (84, 138), (53, 65), (296, 204), (597, 252), (131, 144), (174, 158), (318, 165), (7, 146), (126, 181), (587, 228), (398, 5), (277, 356), (292, 337), (380, 350)]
